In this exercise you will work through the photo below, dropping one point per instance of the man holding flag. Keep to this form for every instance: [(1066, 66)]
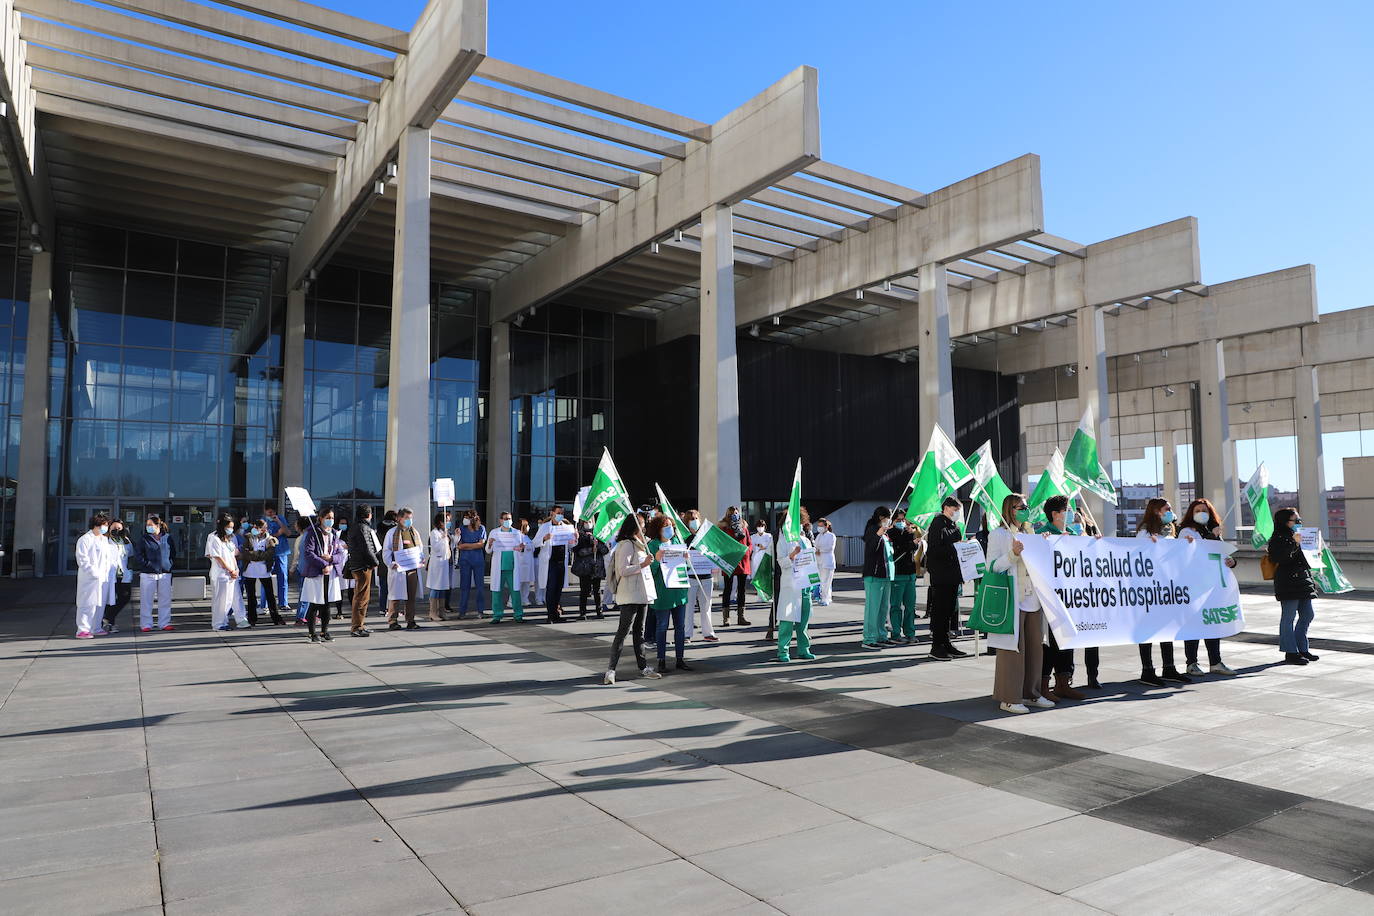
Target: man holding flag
[(607, 502)]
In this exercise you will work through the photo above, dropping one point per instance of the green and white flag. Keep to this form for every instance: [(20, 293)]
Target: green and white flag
[(1330, 579), (1051, 483), (679, 526), (763, 578), (1257, 495), (607, 502), (1081, 464), (942, 471), (791, 524), (988, 488), (719, 547)]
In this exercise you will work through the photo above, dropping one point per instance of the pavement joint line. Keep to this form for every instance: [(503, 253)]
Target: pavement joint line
[(148, 770)]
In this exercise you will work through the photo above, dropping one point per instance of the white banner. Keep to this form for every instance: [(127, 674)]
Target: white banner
[(972, 562), (1119, 591)]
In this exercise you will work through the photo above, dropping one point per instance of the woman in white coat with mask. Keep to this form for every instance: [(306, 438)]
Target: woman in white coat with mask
[(439, 566), (506, 546), (825, 558), (95, 563), (794, 601), (222, 551), (1020, 653)]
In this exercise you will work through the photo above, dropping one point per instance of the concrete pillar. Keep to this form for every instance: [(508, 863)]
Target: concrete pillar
[(30, 502), (292, 469), (1092, 392), (1307, 421), (718, 460), (1169, 446), (498, 425), (1218, 448), (408, 406), (936, 404)]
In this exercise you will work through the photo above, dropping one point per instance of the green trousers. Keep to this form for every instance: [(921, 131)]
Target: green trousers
[(507, 592), (877, 601), (787, 628), (902, 609)]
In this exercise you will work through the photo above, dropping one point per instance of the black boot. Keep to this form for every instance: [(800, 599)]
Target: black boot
[(1293, 658), (682, 665), (662, 666)]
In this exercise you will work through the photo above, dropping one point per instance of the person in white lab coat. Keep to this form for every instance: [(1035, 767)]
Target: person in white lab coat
[(260, 552), (528, 573), (94, 588), (402, 585), (552, 544), (701, 577), (794, 602), (506, 546), (323, 558), (439, 566), (825, 558), (1017, 684), (223, 554), (121, 575)]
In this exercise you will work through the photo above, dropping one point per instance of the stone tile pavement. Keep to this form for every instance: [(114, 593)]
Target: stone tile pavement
[(470, 768)]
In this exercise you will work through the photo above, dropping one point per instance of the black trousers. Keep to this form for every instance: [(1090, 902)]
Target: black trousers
[(588, 587), (122, 590), (1166, 656), (317, 612), (553, 588), (737, 581), (266, 585), (632, 622), (1055, 660), (1213, 651), (942, 606)]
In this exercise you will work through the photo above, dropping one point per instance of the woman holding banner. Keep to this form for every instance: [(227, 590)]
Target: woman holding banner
[(878, 574), (1200, 523), (1016, 685), (1294, 587), (670, 604), (1158, 522), (794, 601)]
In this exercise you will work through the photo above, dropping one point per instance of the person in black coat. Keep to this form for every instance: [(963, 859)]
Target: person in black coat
[(878, 574), (942, 565), (364, 556), (1294, 587)]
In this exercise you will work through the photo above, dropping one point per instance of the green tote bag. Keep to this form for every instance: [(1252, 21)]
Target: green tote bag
[(992, 604)]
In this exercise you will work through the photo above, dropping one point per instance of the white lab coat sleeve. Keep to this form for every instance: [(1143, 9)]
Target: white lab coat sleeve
[(388, 548)]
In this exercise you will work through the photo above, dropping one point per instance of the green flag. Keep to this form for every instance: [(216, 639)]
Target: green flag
[(1051, 483), (763, 578), (719, 547), (791, 524), (988, 488), (1081, 464), (679, 526), (942, 471), (1330, 579), (607, 502), (1257, 495)]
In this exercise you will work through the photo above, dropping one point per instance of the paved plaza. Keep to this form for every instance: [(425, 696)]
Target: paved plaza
[(481, 769)]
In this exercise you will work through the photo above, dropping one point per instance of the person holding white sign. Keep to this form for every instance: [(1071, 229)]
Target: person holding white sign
[(794, 595), (825, 558), (1060, 518), (701, 575), (1200, 523), (551, 543), (506, 546), (403, 582), (669, 604), (323, 557), (1294, 587), (879, 571), (1016, 684), (439, 569), (1157, 522)]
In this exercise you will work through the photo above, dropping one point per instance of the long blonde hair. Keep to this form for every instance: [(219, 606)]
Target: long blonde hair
[(1009, 514)]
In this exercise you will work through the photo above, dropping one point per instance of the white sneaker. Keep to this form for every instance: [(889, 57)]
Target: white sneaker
[(1223, 669), (609, 679), (651, 674), (1194, 669), (1015, 708), (1040, 702)]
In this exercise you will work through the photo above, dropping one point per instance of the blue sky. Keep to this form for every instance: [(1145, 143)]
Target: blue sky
[(1255, 117)]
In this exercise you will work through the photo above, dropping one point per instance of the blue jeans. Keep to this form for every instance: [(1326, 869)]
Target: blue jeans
[(1294, 639), (277, 570), (470, 577), (678, 616)]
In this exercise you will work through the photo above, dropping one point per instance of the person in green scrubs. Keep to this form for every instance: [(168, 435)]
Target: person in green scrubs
[(794, 603), (907, 545), (878, 576), (505, 577)]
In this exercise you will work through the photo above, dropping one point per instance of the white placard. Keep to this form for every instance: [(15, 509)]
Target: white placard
[(299, 498), (805, 573), (701, 564), (443, 492), (408, 558), (504, 540), (1310, 540), (580, 501), (972, 561), (562, 536), (674, 566)]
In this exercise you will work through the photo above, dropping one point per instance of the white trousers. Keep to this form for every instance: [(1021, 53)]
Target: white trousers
[(227, 598), (155, 588), (88, 617), (699, 606), (827, 577)]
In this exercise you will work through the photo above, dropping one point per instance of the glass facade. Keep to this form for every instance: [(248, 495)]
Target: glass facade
[(14, 328)]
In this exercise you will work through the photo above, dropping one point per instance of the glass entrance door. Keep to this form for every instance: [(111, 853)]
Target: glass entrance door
[(76, 521)]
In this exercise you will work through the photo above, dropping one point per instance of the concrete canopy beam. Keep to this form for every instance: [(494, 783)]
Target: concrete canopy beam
[(448, 43), (19, 133), (999, 206), (766, 139)]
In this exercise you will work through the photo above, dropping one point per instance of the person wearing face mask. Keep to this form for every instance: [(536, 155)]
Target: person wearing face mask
[(472, 542), (825, 559), (794, 604), (879, 571), (259, 549), (552, 542), (1294, 587), (364, 558), (1158, 522), (223, 554), (1200, 523), (1057, 662), (121, 575), (1019, 653), (670, 604), (632, 587), (529, 563), (323, 560), (908, 550), (505, 546), (279, 529), (383, 578), (732, 523), (589, 565), (94, 563), (403, 585), (439, 568), (942, 565), (154, 554), (701, 574)]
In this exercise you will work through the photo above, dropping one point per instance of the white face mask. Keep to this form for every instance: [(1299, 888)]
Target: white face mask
[(1202, 518), (694, 524), (667, 534), (759, 529)]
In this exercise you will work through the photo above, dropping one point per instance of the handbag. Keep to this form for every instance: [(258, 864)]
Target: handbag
[(1268, 567), (993, 605)]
